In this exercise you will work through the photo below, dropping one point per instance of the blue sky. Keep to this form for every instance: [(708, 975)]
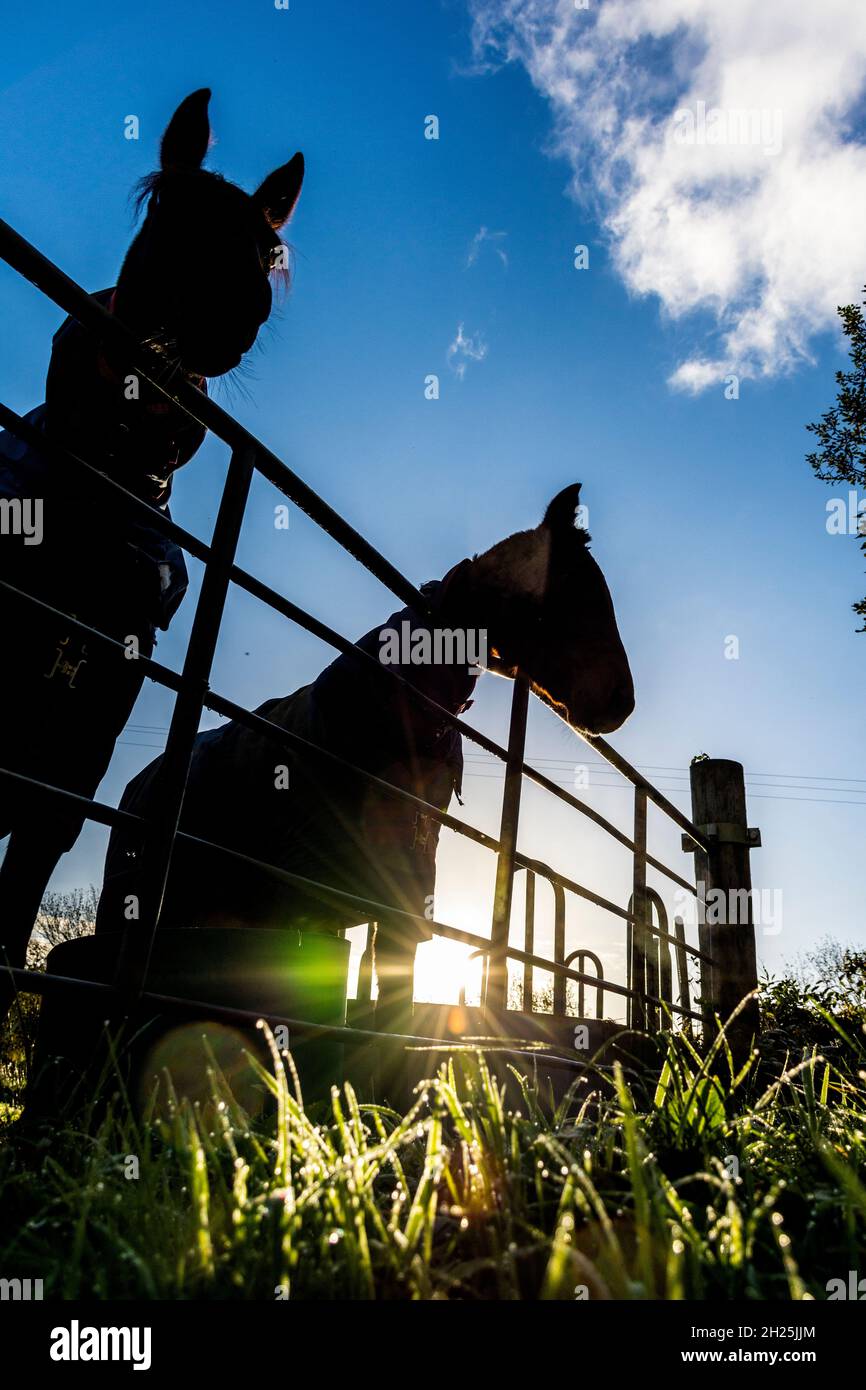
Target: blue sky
[(703, 513)]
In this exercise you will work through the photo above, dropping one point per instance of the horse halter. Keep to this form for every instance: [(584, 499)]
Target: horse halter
[(491, 609), (158, 344), (171, 438)]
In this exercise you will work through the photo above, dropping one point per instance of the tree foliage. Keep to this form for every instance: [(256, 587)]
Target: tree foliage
[(841, 432), (62, 917)]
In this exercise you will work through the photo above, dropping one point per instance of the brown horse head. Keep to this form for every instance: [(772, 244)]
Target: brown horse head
[(196, 279), (549, 616)]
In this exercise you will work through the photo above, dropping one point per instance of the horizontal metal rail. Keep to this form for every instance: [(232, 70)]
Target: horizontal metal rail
[(41, 982), (658, 799), (368, 908)]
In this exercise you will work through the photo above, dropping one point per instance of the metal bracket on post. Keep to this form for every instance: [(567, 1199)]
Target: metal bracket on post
[(725, 833)]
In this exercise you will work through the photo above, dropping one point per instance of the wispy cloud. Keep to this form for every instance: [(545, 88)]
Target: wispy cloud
[(493, 239), (718, 144), (465, 349)]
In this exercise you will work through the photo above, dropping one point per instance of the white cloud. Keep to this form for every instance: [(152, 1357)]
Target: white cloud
[(758, 216), (465, 349), (494, 239)]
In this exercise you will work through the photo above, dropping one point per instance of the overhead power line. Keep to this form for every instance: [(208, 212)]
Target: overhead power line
[(784, 781)]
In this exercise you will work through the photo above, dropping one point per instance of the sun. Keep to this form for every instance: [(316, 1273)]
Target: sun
[(444, 968)]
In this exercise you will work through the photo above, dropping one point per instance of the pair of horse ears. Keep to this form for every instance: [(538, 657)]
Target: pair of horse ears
[(185, 144)]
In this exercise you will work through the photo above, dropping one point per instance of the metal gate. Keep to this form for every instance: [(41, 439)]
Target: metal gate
[(649, 987)]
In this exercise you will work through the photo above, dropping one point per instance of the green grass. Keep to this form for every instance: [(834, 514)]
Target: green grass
[(697, 1182)]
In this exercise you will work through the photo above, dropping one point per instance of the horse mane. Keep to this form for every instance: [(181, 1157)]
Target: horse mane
[(151, 183), (580, 532)]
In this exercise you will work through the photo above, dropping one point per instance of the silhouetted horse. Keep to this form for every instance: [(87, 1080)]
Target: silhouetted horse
[(536, 603), (195, 285)]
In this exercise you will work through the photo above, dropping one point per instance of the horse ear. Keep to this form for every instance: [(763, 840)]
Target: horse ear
[(280, 191), (561, 514), (187, 135)]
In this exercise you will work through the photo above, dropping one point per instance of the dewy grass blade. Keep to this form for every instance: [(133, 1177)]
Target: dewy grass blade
[(662, 1185)]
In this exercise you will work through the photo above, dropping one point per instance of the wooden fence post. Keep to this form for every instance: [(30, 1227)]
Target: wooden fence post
[(724, 882)]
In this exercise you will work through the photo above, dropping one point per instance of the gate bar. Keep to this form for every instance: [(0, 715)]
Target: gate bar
[(496, 995), (134, 958), (632, 775), (560, 983), (286, 738), (112, 815), (582, 954), (639, 904), (682, 963), (528, 940), (39, 982)]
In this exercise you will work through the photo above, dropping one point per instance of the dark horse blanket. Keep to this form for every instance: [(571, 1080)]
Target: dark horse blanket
[(307, 815), (64, 698)]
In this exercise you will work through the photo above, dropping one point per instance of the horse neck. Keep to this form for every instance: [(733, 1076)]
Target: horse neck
[(140, 438), (357, 691), (471, 603)]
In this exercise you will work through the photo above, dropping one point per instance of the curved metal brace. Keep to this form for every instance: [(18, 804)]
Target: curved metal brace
[(560, 983), (485, 955), (581, 955), (659, 965)]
